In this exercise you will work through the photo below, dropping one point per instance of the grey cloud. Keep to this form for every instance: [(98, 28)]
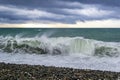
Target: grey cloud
[(67, 11), (101, 2)]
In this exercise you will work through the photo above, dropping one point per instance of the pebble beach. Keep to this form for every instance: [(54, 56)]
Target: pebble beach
[(38, 72)]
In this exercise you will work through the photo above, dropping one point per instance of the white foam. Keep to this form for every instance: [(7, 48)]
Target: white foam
[(79, 62), (79, 52)]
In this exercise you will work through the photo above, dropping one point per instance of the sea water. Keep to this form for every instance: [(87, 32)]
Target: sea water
[(96, 49)]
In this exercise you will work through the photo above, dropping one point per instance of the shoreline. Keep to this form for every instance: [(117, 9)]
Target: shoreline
[(41, 72)]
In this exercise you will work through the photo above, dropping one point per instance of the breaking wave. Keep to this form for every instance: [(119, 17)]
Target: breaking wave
[(59, 45)]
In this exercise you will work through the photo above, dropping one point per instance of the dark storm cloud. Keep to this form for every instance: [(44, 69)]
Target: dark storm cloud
[(101, 2), (37, 3), (63, 11)]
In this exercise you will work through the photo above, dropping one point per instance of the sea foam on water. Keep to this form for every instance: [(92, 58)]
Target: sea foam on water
[(75, 52)]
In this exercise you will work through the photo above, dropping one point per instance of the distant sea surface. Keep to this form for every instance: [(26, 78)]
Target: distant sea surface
[(104, 34)]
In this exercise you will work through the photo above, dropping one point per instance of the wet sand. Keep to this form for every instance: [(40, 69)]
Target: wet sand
[(38, 72)]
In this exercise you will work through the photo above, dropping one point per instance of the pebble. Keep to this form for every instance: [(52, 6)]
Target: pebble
[(37, 72)]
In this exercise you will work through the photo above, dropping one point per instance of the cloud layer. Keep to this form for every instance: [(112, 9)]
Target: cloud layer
[(58, 11)]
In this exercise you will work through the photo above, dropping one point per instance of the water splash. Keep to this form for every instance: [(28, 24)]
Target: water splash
[(60, 45)]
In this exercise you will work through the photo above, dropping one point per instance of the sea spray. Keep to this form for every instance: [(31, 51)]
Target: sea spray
[(75, 52), (60, 45)]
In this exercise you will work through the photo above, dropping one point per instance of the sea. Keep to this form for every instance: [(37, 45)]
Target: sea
[(79, 48)]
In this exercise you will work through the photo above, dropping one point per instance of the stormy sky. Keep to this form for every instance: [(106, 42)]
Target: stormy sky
[(60, 12)]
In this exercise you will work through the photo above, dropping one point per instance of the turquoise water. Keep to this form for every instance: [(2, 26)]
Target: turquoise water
[(104, 34)]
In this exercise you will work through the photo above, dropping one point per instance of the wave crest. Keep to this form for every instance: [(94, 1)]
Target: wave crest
[(60, 45)]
